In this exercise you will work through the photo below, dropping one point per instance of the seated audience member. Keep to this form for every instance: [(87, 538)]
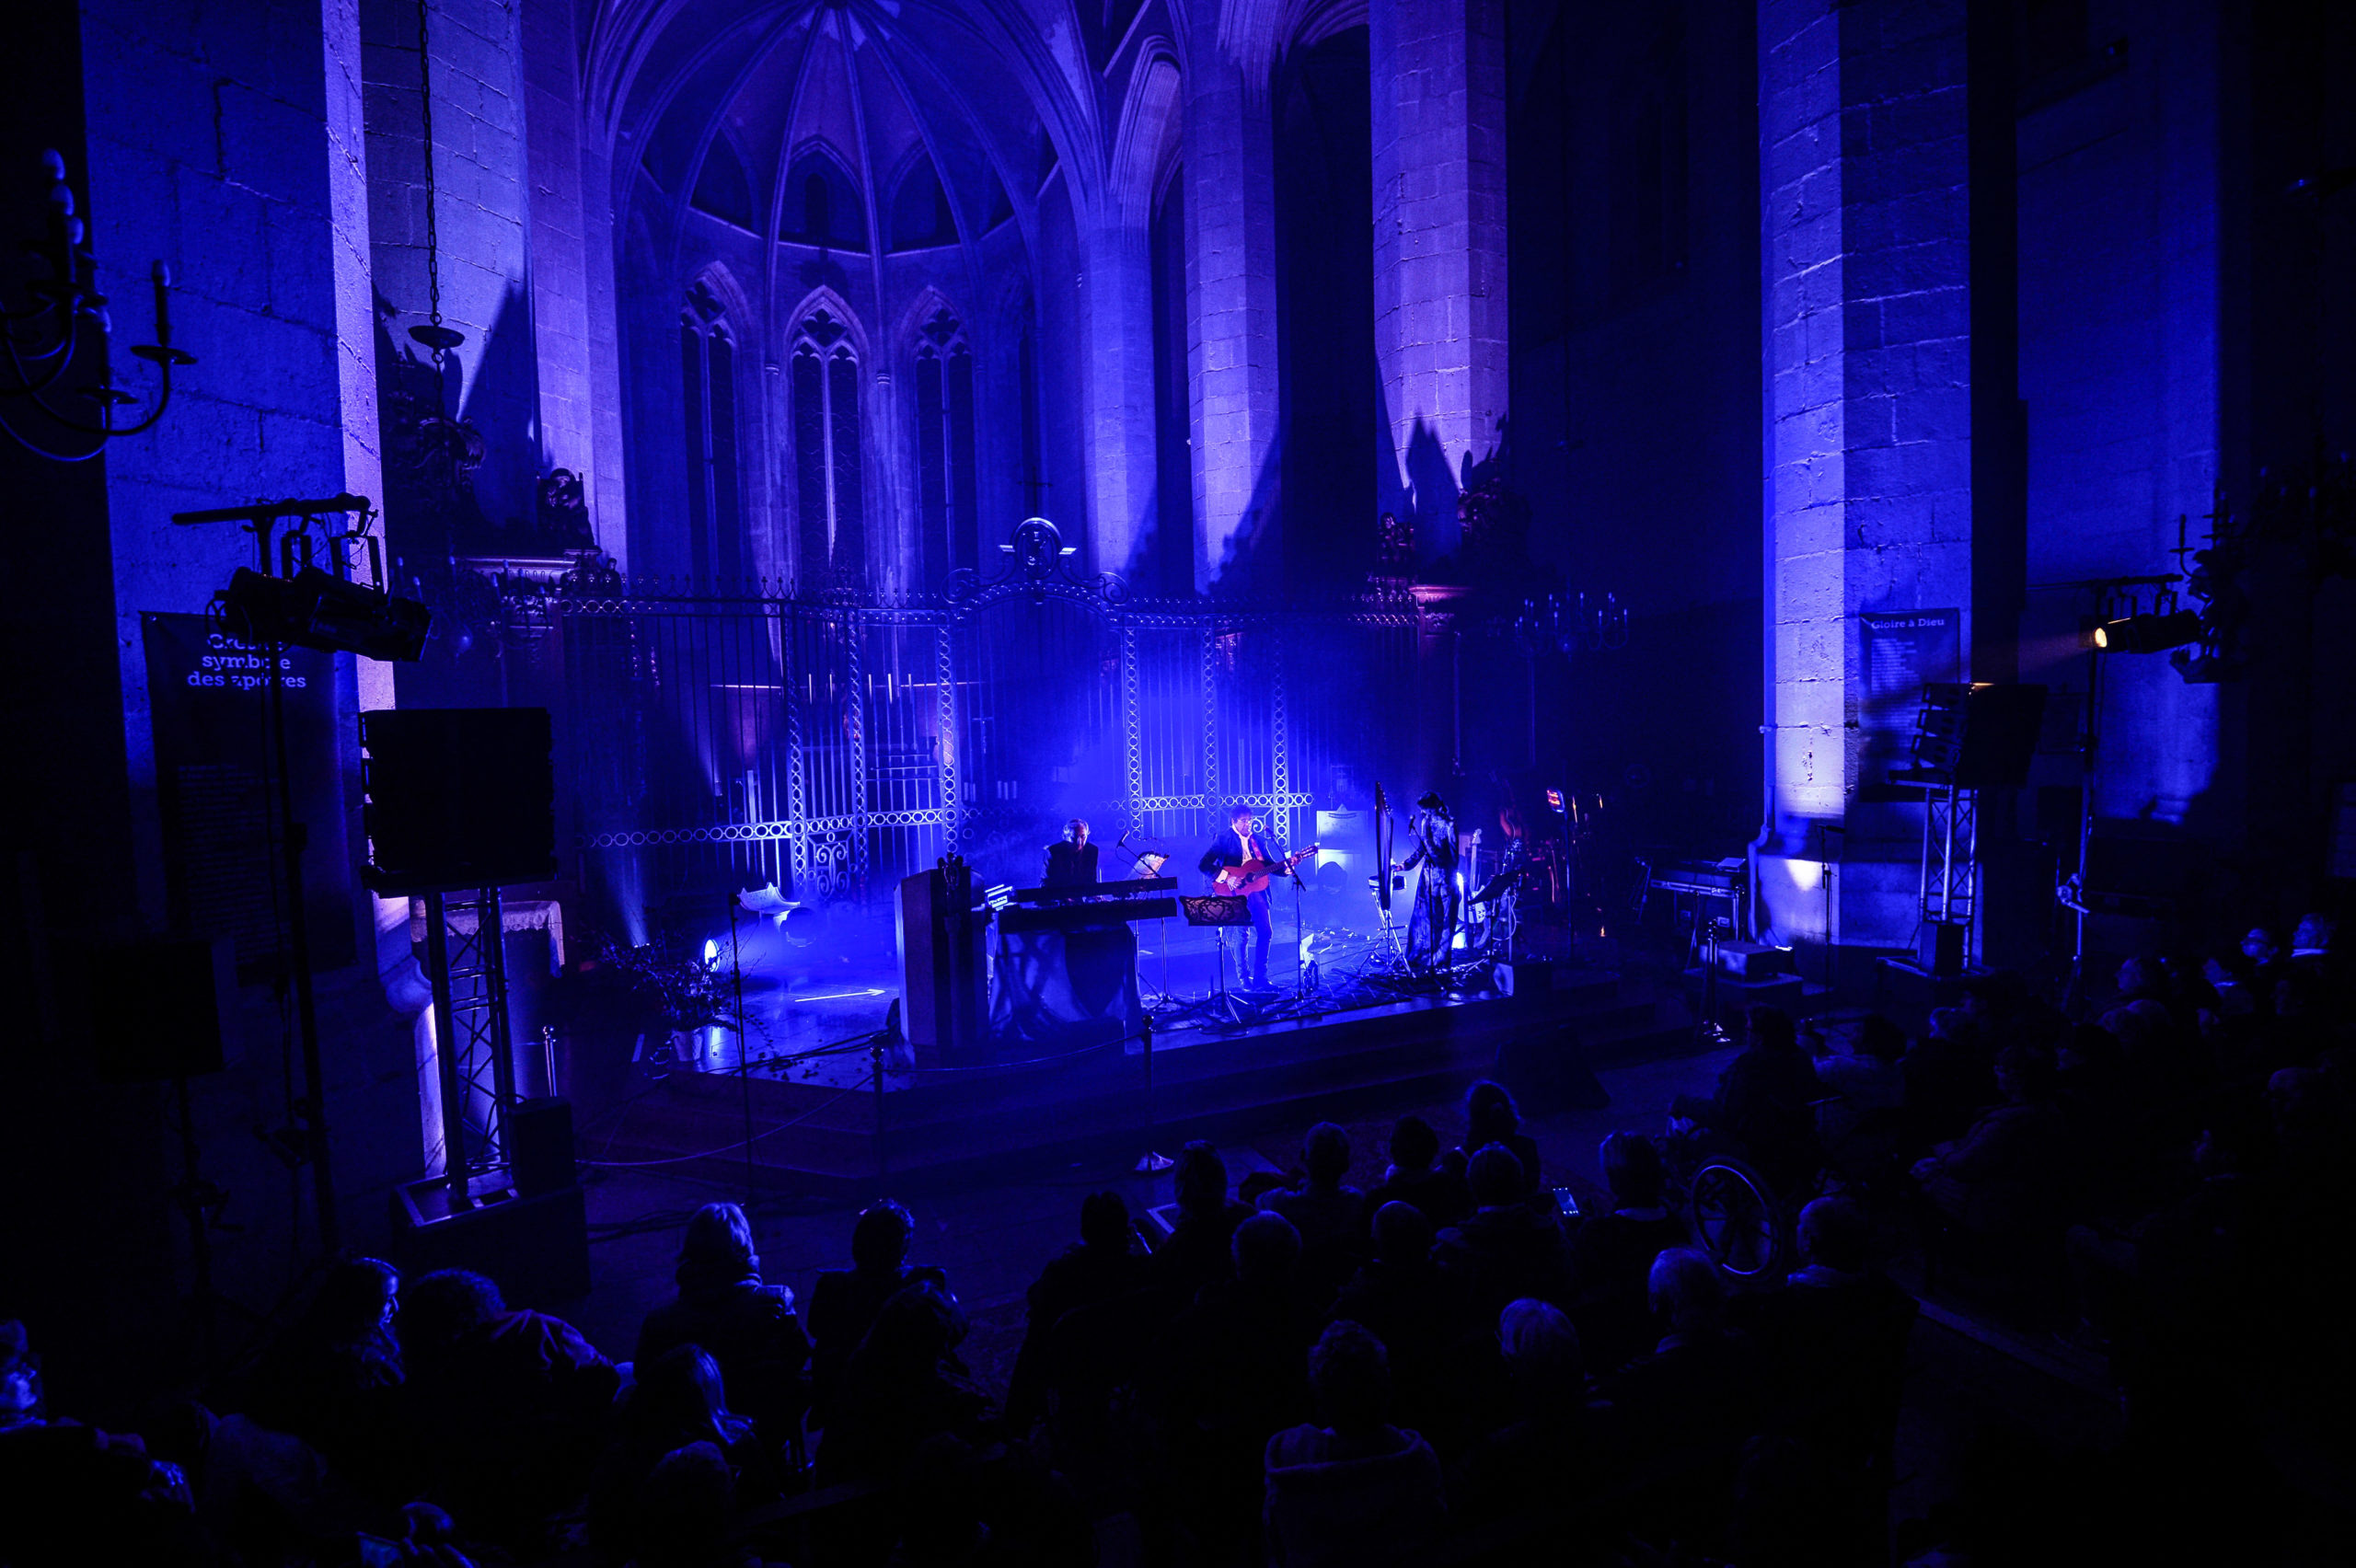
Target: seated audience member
[(1949, 1078), (2316, 950), (2006, 1176), (1243, 1336), (2143, 978), (747, 1327), (1491, 1118), (1555, 1438), (334, 1380), (2182, 1273), (679, 1398), (1199, 1248), (269, 1496), (512, 1406), (1236, 1372), (1783, 1513), (844, 1303), (1837, 1334), (1765, 1101), (20, 1390), (72, 1495), (1324, 1208), (1506, 1248), (1405, 1301), (1415, 1176), (2232, 975), (904, 1385), (686, 1508), (1611, 1254), (1868, 1079), (1700, 1388), (1357, 1489), (1103, 1265)]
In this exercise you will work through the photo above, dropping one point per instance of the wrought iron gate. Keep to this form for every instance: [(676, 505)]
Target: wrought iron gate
[(831, 745)]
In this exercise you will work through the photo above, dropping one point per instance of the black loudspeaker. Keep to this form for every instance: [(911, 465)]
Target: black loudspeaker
[(942, 977), (1530, 979), (458, 798), (1942, 948), (535, 1249), (2001, 725), (539, 1146), (161, 1010)]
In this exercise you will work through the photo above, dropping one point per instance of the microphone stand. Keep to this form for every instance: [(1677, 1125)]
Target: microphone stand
[(1300, 969), (1161, 998)]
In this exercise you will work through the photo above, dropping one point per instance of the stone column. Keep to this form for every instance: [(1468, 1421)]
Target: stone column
[(1439, 100), (1865, 252), (557, 239), (1231, 289), (1118, 384), (478, 214), (356, 317)]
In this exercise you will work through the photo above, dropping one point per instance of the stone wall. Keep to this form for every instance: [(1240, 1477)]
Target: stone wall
[(1865, 257)]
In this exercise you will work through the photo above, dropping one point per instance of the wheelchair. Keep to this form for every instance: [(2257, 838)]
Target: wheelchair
[(1744, 1226), (1747, 1224)]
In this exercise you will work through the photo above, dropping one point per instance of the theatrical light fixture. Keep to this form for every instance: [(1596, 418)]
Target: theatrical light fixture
[(2148, 633), (315, 609)]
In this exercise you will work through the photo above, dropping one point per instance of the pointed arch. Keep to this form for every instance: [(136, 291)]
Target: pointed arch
[(819, 173), (941, 348), (723, 187), (719, 280), (712, 318), (824, 353), (1146, 145), (917, 213)]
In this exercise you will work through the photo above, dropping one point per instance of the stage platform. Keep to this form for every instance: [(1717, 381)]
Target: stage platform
[(833, 1133)]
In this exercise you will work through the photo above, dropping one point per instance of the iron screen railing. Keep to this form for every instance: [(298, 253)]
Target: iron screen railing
[(832, 745)]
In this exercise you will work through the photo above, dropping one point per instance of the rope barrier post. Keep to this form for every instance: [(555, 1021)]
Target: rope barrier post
[(875, 1061), (1149, 1163), (743, 1040)]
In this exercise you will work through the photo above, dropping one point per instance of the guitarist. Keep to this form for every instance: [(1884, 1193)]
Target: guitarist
[(1239, 846)]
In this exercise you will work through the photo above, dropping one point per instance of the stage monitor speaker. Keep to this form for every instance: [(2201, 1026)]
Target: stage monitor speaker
[(1942, 943), (2001, 725), (535, 1249), (163, 1009), (458, 798), (539, 1146), (1528, 978)]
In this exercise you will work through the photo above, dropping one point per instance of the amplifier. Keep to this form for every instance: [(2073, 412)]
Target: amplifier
[(1753, 961)]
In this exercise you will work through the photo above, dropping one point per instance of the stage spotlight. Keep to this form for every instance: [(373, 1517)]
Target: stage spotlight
[(314, 609), (2148, 633)]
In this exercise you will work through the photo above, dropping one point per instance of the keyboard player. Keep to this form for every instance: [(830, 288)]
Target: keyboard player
[(1071, 860)]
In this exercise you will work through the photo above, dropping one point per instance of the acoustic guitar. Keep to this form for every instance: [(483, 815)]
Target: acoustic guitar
[(1252, 876)]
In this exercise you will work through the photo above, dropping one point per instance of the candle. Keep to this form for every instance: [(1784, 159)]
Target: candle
[(162, 278)]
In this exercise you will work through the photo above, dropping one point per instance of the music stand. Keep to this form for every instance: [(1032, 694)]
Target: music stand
[(1218, 911), (1144, 863)]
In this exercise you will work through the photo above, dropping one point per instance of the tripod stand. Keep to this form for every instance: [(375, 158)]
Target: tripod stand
[(1145, 863), (1220, 912)]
